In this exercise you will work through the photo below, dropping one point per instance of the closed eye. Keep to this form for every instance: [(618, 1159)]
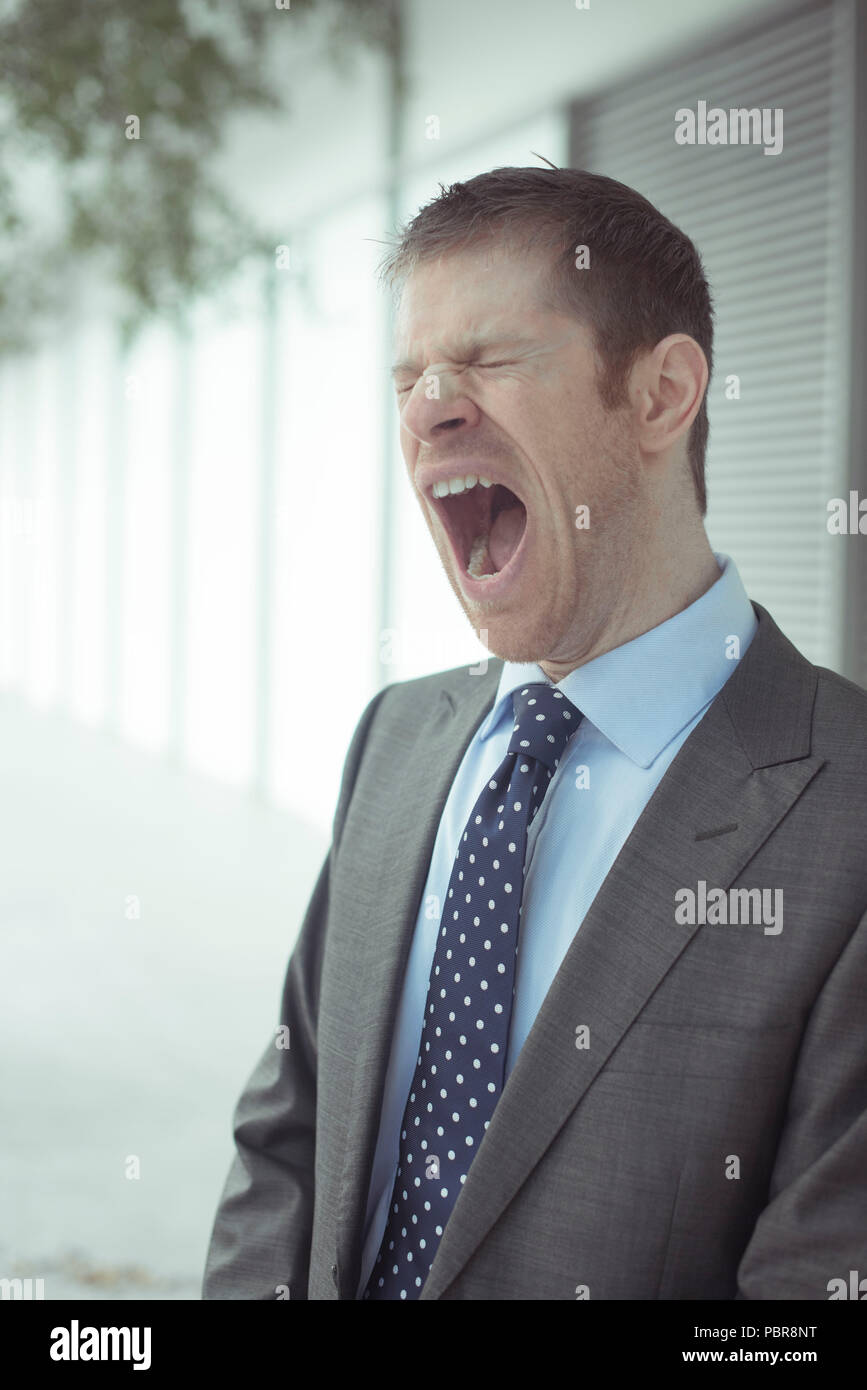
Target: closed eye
[(402, 390)]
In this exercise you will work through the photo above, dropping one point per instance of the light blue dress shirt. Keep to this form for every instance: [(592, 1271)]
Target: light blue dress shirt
[(640, 702)]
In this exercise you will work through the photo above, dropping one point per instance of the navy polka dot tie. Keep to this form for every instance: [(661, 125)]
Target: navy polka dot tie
[(459, 1074)]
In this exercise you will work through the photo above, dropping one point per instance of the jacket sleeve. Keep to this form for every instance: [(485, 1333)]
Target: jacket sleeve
[(813, 1230), (260, 1243)]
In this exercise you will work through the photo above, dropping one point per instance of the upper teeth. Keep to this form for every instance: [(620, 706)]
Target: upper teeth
[(448, 485)]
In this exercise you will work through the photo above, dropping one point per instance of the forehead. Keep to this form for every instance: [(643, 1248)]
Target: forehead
[(467, 298)]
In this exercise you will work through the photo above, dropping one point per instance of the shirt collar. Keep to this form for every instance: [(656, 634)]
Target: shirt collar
[(642, 694)]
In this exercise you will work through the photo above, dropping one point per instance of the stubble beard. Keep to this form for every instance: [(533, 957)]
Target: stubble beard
[(596, 582)]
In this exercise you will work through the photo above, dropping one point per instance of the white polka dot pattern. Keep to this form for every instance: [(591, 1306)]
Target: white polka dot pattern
[(462, 1054)]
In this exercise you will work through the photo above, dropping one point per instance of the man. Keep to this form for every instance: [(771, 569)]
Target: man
[(577, 1008)]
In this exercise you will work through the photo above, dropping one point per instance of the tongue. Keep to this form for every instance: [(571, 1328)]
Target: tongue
[(506, 534)]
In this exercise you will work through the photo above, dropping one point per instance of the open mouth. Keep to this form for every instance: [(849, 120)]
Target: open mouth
[(485, 523)]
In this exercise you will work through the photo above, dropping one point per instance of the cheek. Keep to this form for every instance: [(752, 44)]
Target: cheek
[(568, 413), (408, 447)]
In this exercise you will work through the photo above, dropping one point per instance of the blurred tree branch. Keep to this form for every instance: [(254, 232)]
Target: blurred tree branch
[(148, 210)]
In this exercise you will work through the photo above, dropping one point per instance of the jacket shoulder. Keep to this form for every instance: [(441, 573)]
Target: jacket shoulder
[(423, 691), (840, 714)]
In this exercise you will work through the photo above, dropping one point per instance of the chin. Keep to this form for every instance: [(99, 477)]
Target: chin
[(511, 641)]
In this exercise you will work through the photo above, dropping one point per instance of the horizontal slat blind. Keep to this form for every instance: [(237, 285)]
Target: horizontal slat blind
[(769, 229)]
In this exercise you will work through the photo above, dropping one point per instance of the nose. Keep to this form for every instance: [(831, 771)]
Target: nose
[(438, 405)]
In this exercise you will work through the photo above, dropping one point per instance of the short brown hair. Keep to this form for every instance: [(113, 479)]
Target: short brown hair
[(646, 278)]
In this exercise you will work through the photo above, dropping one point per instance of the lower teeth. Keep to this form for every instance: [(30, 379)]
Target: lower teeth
[(478, 557)]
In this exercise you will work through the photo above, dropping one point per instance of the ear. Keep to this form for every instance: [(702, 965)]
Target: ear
[(666, 388)]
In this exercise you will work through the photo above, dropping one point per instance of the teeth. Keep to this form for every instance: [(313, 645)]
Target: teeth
[(451, 485), (478, 555)]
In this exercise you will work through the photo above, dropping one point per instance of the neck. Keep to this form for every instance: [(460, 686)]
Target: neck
[(649, 591)]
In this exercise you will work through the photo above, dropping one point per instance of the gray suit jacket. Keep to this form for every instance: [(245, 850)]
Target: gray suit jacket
[(710, 1142)]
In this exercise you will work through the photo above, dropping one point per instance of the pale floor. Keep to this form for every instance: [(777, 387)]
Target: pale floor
[(122, 1036)]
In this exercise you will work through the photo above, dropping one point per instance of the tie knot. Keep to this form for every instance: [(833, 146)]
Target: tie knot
[(544, 722)]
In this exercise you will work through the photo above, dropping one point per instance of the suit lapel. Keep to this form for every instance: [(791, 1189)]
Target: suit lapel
[(744, 765), (398, 860)]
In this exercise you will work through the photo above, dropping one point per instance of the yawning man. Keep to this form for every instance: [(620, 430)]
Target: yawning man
[(516, 1068)]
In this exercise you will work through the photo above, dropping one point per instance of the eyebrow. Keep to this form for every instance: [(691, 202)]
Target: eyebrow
[(468, 349)]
